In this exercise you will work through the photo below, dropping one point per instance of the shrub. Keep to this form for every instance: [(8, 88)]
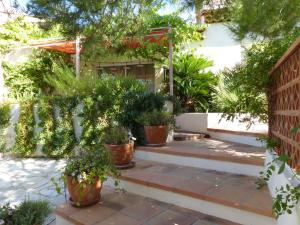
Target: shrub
[(193, 83), (116, 135), (28, 213), (155, 118)]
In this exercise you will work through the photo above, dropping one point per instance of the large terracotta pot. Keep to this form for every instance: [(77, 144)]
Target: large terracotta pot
[(121, 154), (84, 196), (156, 135)]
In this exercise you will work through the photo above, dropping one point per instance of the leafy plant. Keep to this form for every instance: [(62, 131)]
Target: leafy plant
[(57, 135), (27, 213), (25, 144), (4, 122), (116, 135), (245, 87), (193, 83), (155, 118)]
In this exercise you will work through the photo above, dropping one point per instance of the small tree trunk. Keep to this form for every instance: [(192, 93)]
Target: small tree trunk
[(198, 9)]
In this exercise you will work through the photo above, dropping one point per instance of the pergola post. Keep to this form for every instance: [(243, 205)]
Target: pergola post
[(171, 62), (77, 57)]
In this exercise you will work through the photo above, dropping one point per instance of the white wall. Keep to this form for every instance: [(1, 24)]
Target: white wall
[(220, 46)]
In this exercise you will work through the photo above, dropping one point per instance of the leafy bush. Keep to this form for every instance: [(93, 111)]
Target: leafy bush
[(89, 164), (25, 131), (27, 213), (245, 87), (155, 118), (193, 83), (4, 122), (116, 135)]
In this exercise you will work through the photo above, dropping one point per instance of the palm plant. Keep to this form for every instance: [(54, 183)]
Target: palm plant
[(193, 82)]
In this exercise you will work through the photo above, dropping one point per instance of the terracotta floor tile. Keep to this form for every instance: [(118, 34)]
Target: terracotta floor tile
[(66, 210), (194, 188), (143, 211), (209, 220), (120, 219), (170, 217), (93, 214)]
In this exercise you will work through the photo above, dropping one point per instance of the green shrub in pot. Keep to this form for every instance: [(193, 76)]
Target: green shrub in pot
[(156, 126), (85, 173), (117, 140)]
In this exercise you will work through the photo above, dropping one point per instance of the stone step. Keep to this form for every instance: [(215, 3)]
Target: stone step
[(208, 154), (187, 136), (118, 208), (219, 194)]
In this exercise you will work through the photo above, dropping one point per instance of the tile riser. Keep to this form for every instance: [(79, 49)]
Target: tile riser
[(219, 165), (214, 209)]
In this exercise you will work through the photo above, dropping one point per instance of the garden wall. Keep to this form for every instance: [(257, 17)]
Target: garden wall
[(220, 128)]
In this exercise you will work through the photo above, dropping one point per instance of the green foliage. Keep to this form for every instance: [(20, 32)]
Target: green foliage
[(182, 33), (27, 213), (193, 84), (26, 141), (27, 80), (264, 18), (57, 135), (90, 164), (245, 87), (155, 118), (287, 197), (4, 122), (116, 135), (136, 103), (104, 24), (19, 31)]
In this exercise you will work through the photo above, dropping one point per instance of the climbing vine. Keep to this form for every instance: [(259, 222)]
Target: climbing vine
[(58, 134), (4, 122), (25, 131), (287, 196)]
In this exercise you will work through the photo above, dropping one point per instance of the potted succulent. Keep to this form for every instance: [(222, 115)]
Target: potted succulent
[(118, 141), (156, 126), (85, 173)]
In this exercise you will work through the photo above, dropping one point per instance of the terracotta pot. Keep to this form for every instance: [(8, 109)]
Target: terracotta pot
[(156, 135), (121, 154), (84, 196)]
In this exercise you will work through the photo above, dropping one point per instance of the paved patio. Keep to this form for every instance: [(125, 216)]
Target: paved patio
[(22, 179)]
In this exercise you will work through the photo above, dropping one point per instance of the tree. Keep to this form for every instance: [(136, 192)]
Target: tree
[(104, 24), (264, 18)]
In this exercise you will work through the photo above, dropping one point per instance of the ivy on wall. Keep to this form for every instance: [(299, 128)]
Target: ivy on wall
[(4, 122), (26, 140), (57, 135)]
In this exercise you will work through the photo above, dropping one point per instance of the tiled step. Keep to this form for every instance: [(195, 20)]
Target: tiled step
[(243, 137), (208, 154), (223, 195), (130, 209), (188, 136)]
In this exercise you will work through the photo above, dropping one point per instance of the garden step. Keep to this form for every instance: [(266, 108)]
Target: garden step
[(208, 154), (118, 208), (223, 195), (186, 136)]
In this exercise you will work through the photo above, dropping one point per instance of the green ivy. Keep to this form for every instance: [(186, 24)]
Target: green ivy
[(26, 140), (58, 134), (4, 122)]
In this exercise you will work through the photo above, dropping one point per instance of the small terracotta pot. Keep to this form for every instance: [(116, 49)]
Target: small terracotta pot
[(156, 135), (84, 196), (121, 154)]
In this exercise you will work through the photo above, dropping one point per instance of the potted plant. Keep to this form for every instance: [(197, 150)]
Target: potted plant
[(156, 126), (85, 173), (117, 140)]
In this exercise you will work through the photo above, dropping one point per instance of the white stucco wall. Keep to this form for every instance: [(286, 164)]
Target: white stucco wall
[(220, 46)]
